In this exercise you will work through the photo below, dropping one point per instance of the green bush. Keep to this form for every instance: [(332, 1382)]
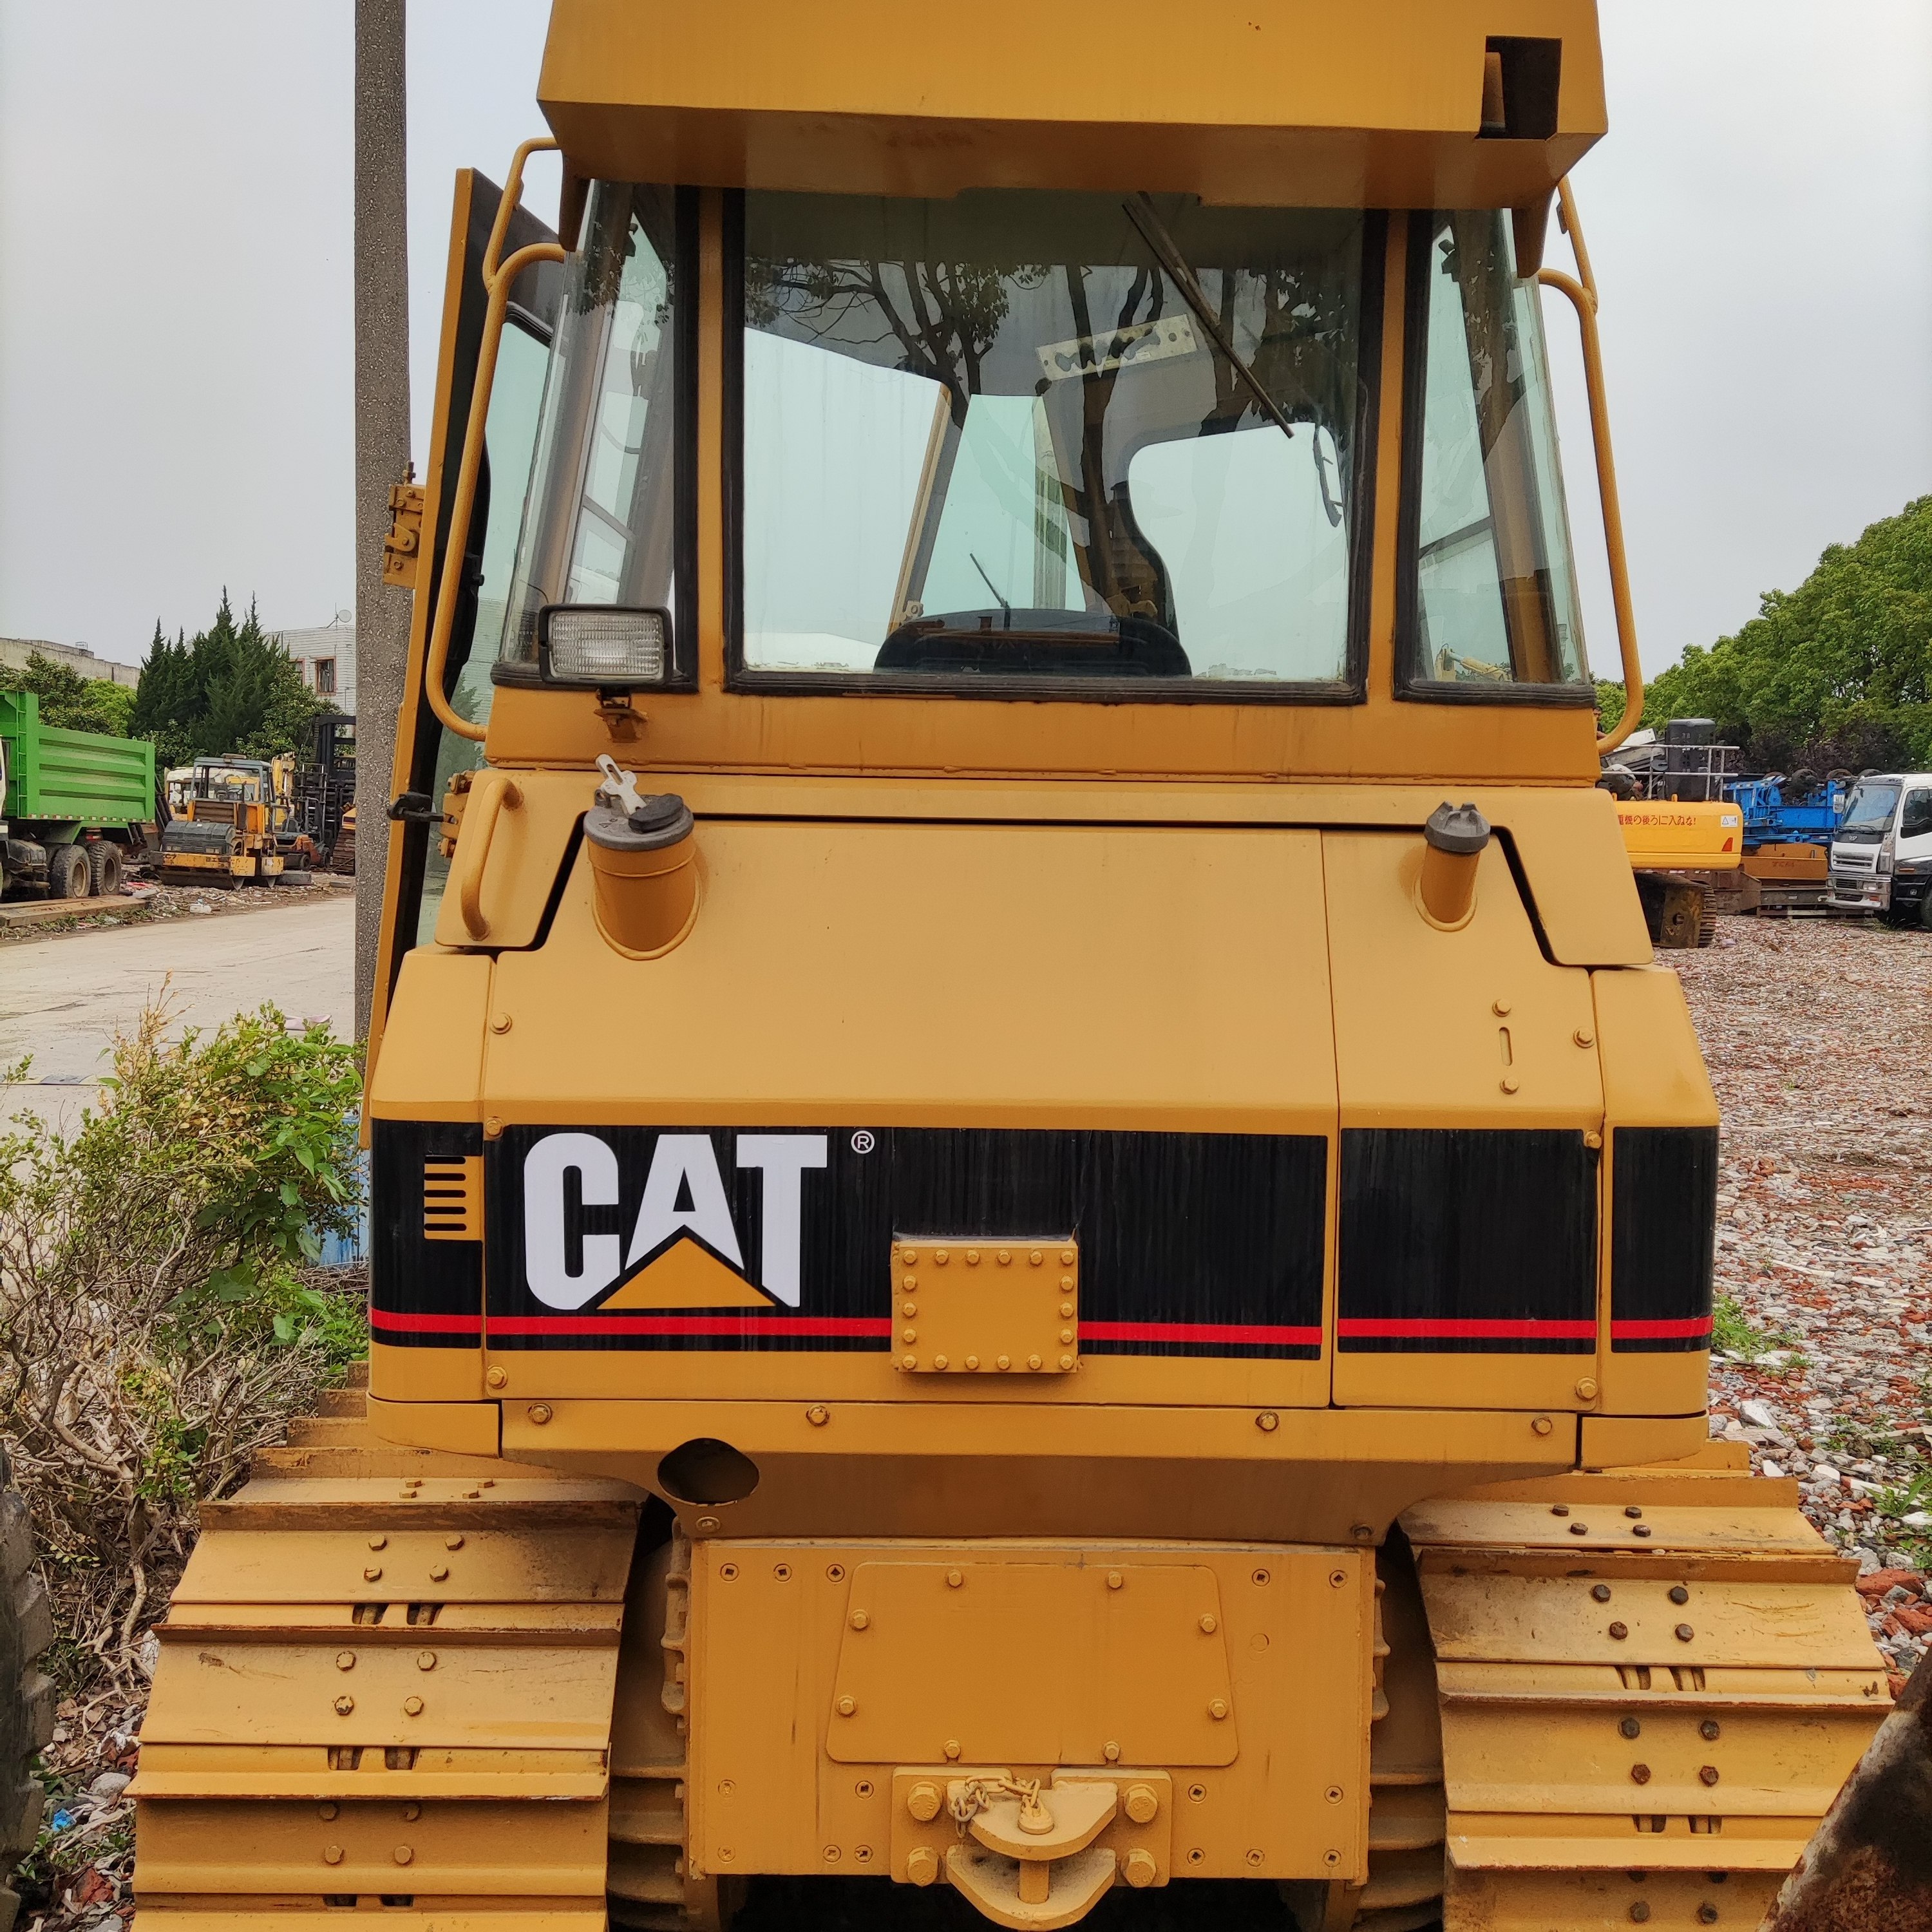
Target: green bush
[(161, 1316)]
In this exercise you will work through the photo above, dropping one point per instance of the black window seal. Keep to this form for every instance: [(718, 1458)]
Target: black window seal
[(1579, 696), (1350, 689)]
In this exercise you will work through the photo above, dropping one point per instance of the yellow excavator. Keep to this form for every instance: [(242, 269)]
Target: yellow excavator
[(1040, 1228)]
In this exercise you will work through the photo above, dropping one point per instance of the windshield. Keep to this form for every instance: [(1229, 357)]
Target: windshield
[(1869, 814), (1029, 435)]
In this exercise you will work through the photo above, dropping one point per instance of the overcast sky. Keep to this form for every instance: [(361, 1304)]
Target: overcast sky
[(175, 371)]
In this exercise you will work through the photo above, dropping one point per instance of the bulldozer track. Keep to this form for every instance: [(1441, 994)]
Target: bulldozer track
[(387, 1681)]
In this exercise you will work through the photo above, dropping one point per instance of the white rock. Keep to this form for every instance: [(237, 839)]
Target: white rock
[(1823, 1472), (1758, 1414), (148, 1656), (1917, 1519), (200, 906), (109, 1785), (1772, 1469)]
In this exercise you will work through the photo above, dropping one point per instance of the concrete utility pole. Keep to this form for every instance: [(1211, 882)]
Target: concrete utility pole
[(382, 448)]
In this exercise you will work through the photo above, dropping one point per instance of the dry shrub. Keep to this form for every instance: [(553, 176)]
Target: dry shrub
[(159, 1315)]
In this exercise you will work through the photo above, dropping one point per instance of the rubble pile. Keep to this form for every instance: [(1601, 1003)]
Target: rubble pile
[(1819, 1038)]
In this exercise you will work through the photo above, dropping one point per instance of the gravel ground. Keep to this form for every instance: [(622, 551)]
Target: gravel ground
[(143, 900), (1819, 1037)]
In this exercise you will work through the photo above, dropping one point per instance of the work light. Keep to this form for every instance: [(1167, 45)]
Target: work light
[(609, 647)]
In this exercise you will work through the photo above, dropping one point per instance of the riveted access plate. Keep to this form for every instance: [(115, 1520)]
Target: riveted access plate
[(1052, 1663), (1006, 1306)]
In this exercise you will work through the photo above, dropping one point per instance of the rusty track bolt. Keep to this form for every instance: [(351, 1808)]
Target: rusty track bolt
[(1679, 1594), (1619, 1631), (404, 1855), (373, 1573), (1684, 1633), (1707, 1774), (345, 1660), (859, 1620), (950, 1749), (540, 1412), (378, 1543), (922, 1865), (818, 1415), (1114, 1579), (1579, 1529), (1640, 1773), (1542, 1425), (1267, 1422), (1217, 1708), (331, 1854), (497, 1378), (1140, 1804), (1639, 1913), (922, 1801), (1709, 1730), (425, 1659), (344, 1706), (1639, 1529), (1559, 1509), (1138, 1868), (412, 1706), (1707, 1914), (1633, 1511), (327, 1811), (1209, 1626), (1631, 1728), (1600, 1592)]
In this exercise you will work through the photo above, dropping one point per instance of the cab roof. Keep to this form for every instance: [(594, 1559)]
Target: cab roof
[(1291, 102)]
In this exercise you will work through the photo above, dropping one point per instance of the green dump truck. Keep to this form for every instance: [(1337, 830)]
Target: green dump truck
[(75, 806)]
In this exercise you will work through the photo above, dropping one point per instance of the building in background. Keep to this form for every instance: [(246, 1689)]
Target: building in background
[(14, 652), (327, 655)]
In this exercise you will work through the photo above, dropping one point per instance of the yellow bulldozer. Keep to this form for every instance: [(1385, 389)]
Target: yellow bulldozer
[(1040, 1228)]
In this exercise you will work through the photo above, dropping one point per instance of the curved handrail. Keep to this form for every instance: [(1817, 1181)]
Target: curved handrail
[(499, 278), (480, 819), (1583, 296)]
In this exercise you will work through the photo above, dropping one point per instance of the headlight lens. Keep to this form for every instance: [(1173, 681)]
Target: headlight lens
[(603, 645)]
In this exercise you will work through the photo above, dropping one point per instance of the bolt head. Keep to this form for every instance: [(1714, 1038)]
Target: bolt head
[(331, 1854), (1114, 1579), (922, 1801), (1138, 1868), (439, 1573), (345, 1660), (1684, 1633), (950, 1749), (1033, 1361), (1600, 1592), (1111, 1751), (497, 1378), (539, 1412), (1619, 1631), (1640, 1773), (1066, 1361), (1542, 1425), (403, 1855), (373, 1573), (972, 1361), (1267, 1421), (922, 1865), (847, 1705), (939, 1361), (859, 1620), (941, 1256), (344, 1706), (972, 1257), (953, 1580), (1708, 1773), (818, 1415), (413, 1706), (1631, 1728), (378, 1543), (1140, 1804), (1003, 1362), (1066, 1311), (1217, 1708), (1586, 1388), (425, 1659)]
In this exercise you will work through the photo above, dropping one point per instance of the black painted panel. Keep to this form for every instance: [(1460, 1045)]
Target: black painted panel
[(1663, 1234), (422, 1293)]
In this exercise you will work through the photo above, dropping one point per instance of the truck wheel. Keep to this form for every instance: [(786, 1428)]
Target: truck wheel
[(1925, 912), (67, 872), (26, 1696), (103, 867)]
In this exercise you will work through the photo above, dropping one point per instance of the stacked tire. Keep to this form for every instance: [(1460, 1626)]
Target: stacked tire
[(26, 1694)]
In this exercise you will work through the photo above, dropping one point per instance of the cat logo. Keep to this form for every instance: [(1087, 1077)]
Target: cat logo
[(683, 1249)]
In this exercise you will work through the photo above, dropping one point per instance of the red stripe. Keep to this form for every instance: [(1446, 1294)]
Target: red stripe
[(1661, 1331), (1433, 1328), (427, 1324), (1199, 1331), (688, 1325)]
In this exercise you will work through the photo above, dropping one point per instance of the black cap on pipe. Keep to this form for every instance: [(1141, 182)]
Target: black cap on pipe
[(1456, 828)]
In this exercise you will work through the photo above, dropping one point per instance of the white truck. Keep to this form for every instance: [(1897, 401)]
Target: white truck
[(1881, 853)]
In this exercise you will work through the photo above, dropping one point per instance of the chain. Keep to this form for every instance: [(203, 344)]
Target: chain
[(966, 1798)]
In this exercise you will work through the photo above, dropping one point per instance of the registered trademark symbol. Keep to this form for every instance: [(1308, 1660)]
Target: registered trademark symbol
[(862, 1142)]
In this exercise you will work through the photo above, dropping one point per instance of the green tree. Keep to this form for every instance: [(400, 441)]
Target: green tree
[(1838, 672), (73, 703), (229, 690)]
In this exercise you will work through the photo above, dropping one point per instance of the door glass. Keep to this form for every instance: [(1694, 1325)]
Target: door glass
[(1915, 820)]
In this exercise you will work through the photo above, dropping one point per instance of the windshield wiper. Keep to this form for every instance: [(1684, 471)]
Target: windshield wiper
[(1140, 210), (1006, 609)]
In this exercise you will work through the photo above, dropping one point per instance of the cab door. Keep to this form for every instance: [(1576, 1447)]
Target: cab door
[(426, 755)]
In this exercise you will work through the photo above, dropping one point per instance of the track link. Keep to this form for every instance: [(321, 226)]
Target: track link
[(1651, 1684), (386, 1682)]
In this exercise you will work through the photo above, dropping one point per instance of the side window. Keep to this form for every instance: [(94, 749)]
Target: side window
[(1915, 820)]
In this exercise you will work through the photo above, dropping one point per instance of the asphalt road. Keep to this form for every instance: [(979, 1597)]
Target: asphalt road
[(62, 1000)]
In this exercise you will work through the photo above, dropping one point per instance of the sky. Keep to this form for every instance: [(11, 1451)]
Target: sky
[(176, 373)]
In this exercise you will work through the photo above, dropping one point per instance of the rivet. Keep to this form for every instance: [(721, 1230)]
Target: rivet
[(1679, 1594), (910, 1283), (500, 1022), (439, 1573), (425, 1659), (1066, 1284), (453, 1542), (1209, 1625), (1066, 1361), (1592, 1139), (1684, 1633), (1507, 1083), (909, 1255), (908, 1361), (331, 1854), (373, 1573), (951, 1748), (1584, 1037), (847, 1705), (497, 1378), (939, 1361), (1267, 1422), (972, 1257), (1217, 1708), (908, 1308), (940, 1256), (1035, 1258), (1708, 1773), (1541, 1425), (344, 1706), (404, 1855), (922, 1865), (1111, 1751), (953, 1580), (1067, 1334), (1066, 1257), (1600, 1591), (1501, 1009), (1114, 1579), (908, 1334), (1033, 1361), (327, 1811), (1066, 1310), (1579, 1529), (493, 1127), (1586, 1388), (378, 1543), (412, 1706), (1003, 1361), (1709, 1730), (859, 1620), (345, 1660), (1005, 1256), (1619, 1631), (1631, 1728), (539, 1412), (972, 1361), (1640, 1773), (1363, 1532)]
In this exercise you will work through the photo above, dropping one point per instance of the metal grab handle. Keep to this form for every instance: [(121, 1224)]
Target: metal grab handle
[(1583, 298), (480, 819), (499, 278)]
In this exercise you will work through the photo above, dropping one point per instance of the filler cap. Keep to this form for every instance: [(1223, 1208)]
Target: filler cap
[(1458, 829)]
